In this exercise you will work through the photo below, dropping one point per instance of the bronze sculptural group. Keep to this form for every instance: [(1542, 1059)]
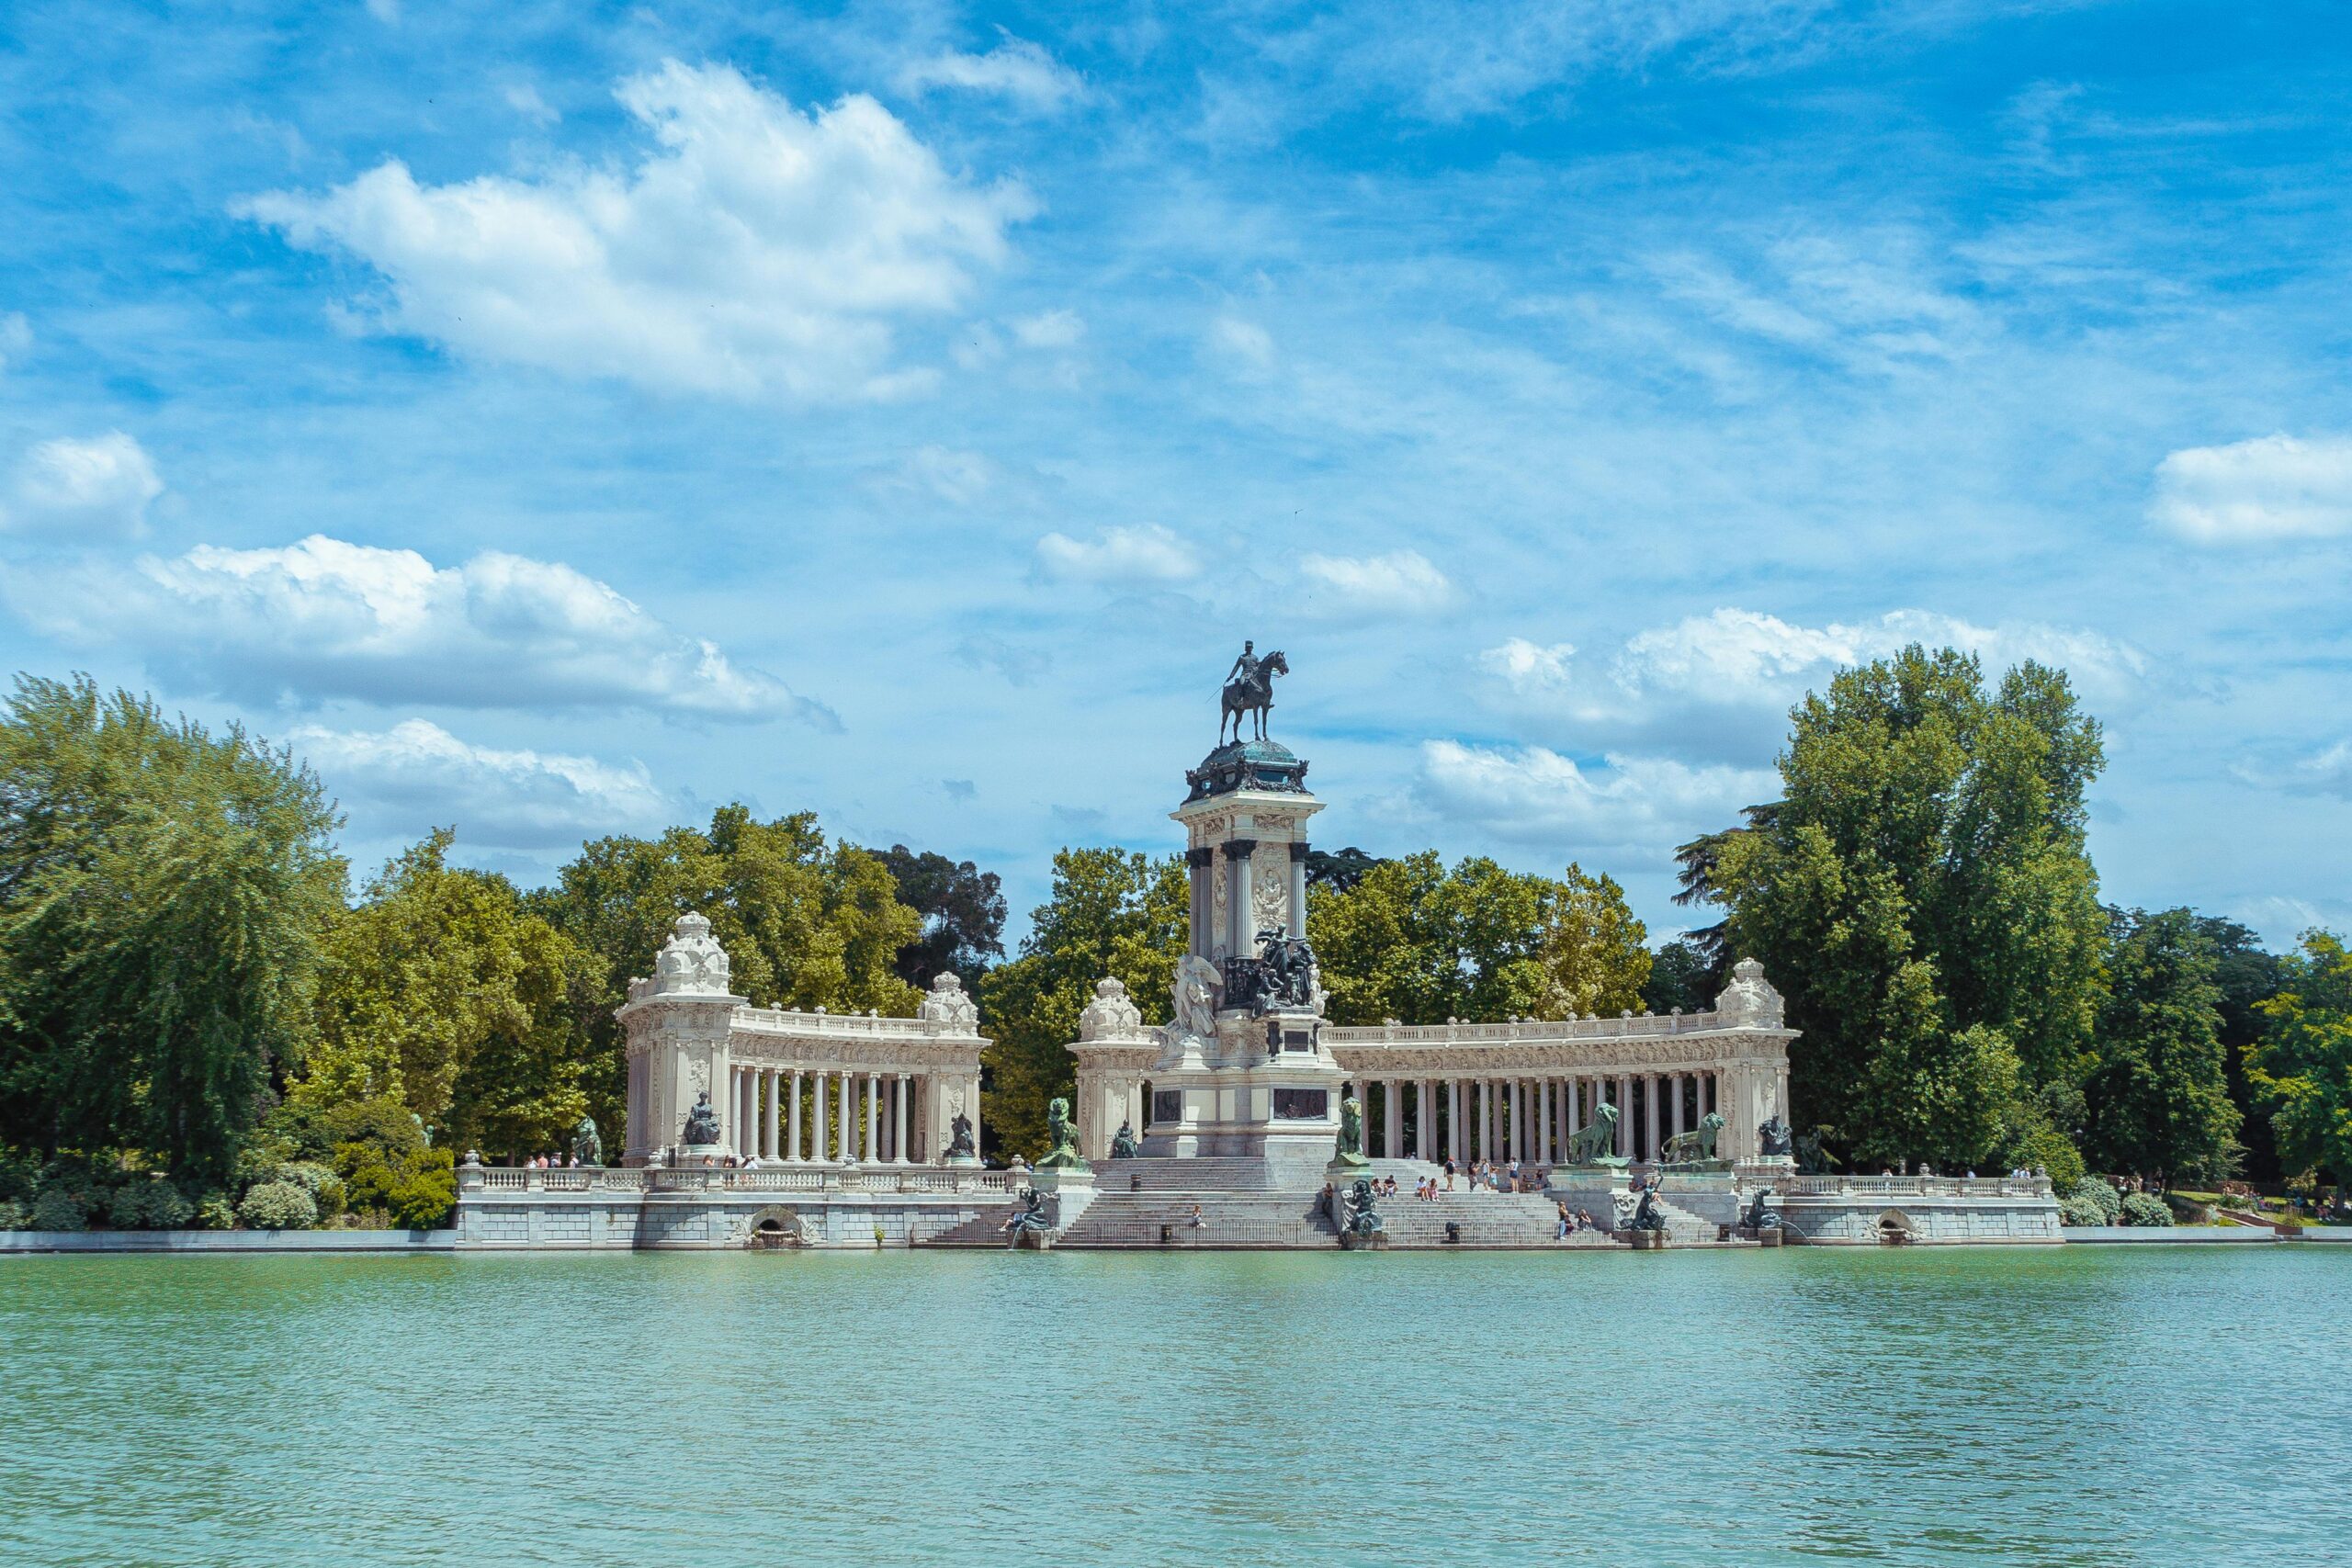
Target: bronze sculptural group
[(702, 1125), (1061, 1138), (587, 1148), (1590, 1144), (1686, 1148)]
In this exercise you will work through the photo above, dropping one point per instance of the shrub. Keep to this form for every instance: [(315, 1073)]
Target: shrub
[(325, 1188), (2142, 1209), (2190, 1211), (59, 1209), (417, 1190), (215, 1212), (2110, 1203), (278, 1206), (148, 1203), (2072, 1211), (14, 1216)]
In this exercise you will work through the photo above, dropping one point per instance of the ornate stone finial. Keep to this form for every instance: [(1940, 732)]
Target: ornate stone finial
[(1111, 1015), (690, 962), (1750, 999), (946, 1002)]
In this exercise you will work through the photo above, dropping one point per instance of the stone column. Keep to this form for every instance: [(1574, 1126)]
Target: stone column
[(1392, 1132), (1625, 1115), (768, 1146), (1544, 1123), (1515, 1115), (792, 1119), (873, 1117), (1238, 935), (1298, 890), (1196, 867), (817, 1117), (972, 1099), (1453, 1120), (848, 1132), (747, 1114), (1675, 1098), (899, 1117)]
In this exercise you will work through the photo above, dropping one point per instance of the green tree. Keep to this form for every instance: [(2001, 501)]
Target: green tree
[(2247, 976), (2158, 1095), (442, 989), (162, 893), (806, 922), (1682, 978), (2302, 1067), (962, 908), (1923, 896), (1411, 939), (1113, 913)]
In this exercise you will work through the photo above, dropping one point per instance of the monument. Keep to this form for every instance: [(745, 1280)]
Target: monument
[(1240, 1070)]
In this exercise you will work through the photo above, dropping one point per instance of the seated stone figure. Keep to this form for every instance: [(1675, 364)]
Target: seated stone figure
[(1123, 1142), (702, 1122)]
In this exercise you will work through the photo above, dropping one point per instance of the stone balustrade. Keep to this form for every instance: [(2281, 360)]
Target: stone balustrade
[(1836, 1186), (1533, 1032), (810, 1178)]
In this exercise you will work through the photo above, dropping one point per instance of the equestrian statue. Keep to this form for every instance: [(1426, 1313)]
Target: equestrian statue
[(1250, 688)]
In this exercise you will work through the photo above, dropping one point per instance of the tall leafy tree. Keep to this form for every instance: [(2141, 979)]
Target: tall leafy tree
[(2303, 1065), (2247, 976), (807, 923), (1682, 978), (1113, 913), (442, 989), (162, 893), (2158, 1095), (1923, 895), (962, 908), (1416, 940)]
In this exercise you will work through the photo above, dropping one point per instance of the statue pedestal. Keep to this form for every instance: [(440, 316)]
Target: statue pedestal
[(1069, 1191), (690, 1156)]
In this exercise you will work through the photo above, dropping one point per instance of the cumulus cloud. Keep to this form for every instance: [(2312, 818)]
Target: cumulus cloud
[(418, 774), (324, 618), (2274, 487), (1015, 69), (1401, 583), (1243, 347), (95, 487), (1144, 552), (1049, 329), (1734, 662), (525, 100), (1530, 795), (754, 248)]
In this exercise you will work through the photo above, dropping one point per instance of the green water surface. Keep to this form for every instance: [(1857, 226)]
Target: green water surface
[(2162, 1405)]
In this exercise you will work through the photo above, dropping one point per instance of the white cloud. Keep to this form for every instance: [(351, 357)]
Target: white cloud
[(1742, 659), (96, 488), (1644, 805), (525, 100), (1015, 69), (324, 618), (1243, 346), (1144, 552), (421, 775), (2324, 771), (755, 248), (15, 338), (2273, 487), (1049, 329), (1401, 583)]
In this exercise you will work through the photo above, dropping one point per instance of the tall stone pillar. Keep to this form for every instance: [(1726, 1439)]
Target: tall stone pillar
[(1197, 867), (1453, 1120), (873, 1117), (1675, 1093), (1544, 1123), (899, 1118), (848, 1133), (769, 1147), (1297, 922), (1240, 939), (792, 1119), (1625, 1115)]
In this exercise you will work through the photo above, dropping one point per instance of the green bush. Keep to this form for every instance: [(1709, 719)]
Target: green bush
[(278, 1206), (14, 1216), (60, 1209), (215, 1212), (2091, 1190), (2190, 1211), (416, 1190), (2144, 1209), (148, 1203), (2072, 1211), (325, 1188)]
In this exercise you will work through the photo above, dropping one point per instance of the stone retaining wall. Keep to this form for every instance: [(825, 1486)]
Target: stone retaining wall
[(228, 1241)]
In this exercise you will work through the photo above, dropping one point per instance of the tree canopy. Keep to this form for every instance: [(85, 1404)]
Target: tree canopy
[(2158, 1095), (2301, 1068), (1923, 896), (162, 893)]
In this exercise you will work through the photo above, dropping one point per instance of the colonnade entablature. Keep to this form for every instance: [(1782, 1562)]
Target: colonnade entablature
[(787, 1087)]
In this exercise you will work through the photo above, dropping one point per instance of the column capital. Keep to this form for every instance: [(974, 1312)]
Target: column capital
[(1199, 854), (1299, 849), (1239, 849)]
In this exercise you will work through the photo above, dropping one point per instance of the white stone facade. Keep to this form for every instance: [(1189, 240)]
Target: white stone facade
[(792, 1088)]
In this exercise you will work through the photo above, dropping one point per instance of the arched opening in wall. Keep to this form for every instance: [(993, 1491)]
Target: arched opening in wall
[(773, 1229), (1895, 1228)]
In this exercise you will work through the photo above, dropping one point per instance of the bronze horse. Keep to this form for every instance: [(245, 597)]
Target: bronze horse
[(1254, 694)]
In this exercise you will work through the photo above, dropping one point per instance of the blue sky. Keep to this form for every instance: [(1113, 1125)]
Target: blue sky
[(556, 421)]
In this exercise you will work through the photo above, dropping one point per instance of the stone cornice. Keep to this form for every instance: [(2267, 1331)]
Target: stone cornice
[(1557, 1057)]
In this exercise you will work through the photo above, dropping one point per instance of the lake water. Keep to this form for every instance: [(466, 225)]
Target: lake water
[(2085, 1405)]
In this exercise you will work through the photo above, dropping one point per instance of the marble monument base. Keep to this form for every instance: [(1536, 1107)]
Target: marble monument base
[(1068, 1191)]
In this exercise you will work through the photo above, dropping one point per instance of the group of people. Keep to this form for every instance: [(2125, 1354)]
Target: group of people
[(552, 1162), (1580, 1220), (1487, 1176)]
